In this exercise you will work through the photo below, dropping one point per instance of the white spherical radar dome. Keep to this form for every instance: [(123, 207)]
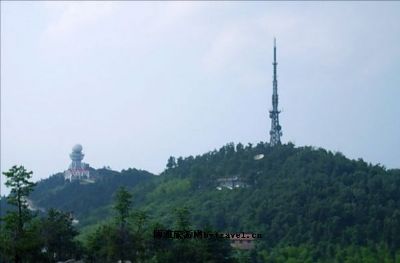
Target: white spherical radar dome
[(77, 148)]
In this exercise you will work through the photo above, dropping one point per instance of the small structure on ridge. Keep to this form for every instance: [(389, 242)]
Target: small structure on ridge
[(77, 170)]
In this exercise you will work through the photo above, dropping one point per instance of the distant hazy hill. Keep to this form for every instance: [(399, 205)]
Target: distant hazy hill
[(83, 198), (293, 196)]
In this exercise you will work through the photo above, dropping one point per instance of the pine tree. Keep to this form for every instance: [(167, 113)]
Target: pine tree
[(58, 234), (20, 235), (124, 239)]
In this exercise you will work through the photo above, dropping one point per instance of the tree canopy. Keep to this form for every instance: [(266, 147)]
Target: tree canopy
[(309, 204)]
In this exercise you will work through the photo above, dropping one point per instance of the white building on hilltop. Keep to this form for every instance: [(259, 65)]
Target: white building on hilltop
[(77, 169)]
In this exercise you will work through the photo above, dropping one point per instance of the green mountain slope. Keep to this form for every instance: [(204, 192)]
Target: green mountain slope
[(294, 196), (87, 201)]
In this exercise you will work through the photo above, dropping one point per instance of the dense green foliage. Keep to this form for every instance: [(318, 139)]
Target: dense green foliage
[(129, 236), (85, 200), (310, 205), (58, 235), (18, 223), (296, 197), (24, 237)]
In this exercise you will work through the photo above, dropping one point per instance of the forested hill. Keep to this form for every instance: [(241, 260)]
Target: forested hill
[(85, 198), (294, 196), (302, 199)]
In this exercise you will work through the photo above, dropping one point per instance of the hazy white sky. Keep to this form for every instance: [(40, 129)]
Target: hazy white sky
[(136, 82)]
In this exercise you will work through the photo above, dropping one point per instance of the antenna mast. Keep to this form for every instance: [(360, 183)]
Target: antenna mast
[(275, 133)]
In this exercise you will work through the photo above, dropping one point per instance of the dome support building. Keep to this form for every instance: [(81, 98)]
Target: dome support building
[(77, 169)]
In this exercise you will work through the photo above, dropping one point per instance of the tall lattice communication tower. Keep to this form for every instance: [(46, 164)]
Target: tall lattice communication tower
[(276, 129)]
